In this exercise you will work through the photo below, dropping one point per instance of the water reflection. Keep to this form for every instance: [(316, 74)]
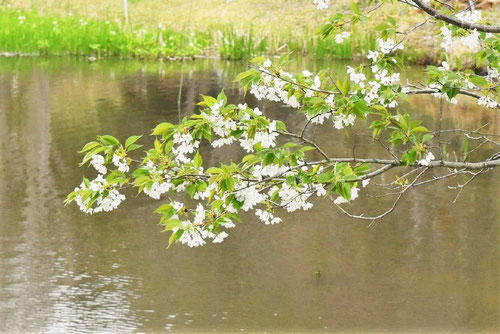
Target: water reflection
[(432, 265)]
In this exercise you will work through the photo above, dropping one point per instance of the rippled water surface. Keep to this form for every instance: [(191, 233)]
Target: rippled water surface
[(432, 265)]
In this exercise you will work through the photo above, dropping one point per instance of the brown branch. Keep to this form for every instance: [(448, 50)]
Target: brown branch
[(372, 174), (462, 186), (310, 142), (433, 91), (432, 164), (394, 204), (471, 132), (452, 20), (295, 83)]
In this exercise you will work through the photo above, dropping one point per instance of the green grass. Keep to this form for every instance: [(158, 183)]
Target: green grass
[(240, 29), (30, 32)]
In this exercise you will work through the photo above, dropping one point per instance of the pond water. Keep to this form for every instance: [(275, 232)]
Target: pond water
[(432, 265)]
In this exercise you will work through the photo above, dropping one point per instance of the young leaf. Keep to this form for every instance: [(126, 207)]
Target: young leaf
[(174, 237), (130, 140), (197, 159), (162, 127), (109, 140)]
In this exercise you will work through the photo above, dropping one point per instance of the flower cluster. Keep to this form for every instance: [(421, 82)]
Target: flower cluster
[(428, 158), (342, 200), (121, 163), (91, 193), (471, 41), (195, 232), (98, 163), (389, 45), (469, 16), (267, 217), (272, 88), (339, 38), (487, 102), (184, 144), (321, 4)]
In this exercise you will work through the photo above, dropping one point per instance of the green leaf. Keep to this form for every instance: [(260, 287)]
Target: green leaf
[(280, 126), (361, 109), (141, 180), (191, 190), (326, 177), (164, 208), (420, 129), (258, 60), (362, 169), (290, 145), (222, 97), (247, 157), (89, 146), (168, 146), (306, 149), (243, 75), (157, 145), (290, 180), (92, 152), (130, 140), (174, 237), (426, 138), (133, 147), (409, 157), (478, 80), (381, 26), (269, 158), (346, 87), (207, 101), (355, 8), (109, 140), (197, 159), (213, 170), (227, 184), (161, 128), (171, 224)]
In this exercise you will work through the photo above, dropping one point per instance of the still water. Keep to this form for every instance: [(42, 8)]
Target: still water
[(431, 266)]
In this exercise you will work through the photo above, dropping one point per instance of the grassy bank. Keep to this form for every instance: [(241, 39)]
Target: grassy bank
[(164, 29), (29, 32), (263, 16), (33, 33)]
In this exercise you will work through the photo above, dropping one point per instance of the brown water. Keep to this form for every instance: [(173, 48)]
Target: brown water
[(432, 265)]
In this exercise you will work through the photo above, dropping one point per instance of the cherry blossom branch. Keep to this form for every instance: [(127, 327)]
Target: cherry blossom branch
[(295, 83), (452, 20), (445, 4), (442, 177), (432, 164), (310, 142), (471, 132), (387, 212), (463, 185), (409, 31), (433, 91)]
